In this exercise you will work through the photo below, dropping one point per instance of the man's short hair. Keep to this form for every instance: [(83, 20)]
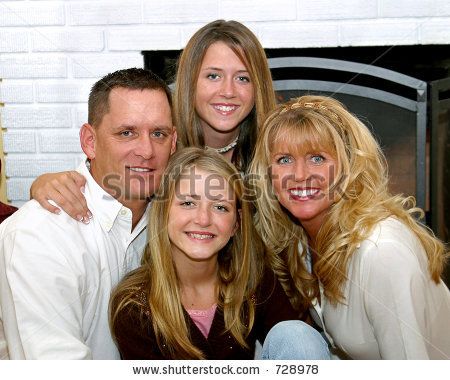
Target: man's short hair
[(133, 79)]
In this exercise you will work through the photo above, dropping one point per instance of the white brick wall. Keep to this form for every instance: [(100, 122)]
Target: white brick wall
[(24, 13), (105, 12), (178, 11), (301, 34), (255, 10), (69, 91), (51, 52), (435, 31), (66, 141), (18, 188), (148, 37), (67, 39), (337, 10), (19, 142), (25, 117), (21, 166), (363, 33), (33, 66), (407, 8), (12, 91), (13, 40), (98, 65)]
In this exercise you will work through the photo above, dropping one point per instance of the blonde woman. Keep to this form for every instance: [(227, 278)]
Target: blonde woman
[(323, 179), (223, 92), (201, 292)]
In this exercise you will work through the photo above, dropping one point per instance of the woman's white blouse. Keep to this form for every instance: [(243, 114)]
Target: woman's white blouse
[(393, 309)]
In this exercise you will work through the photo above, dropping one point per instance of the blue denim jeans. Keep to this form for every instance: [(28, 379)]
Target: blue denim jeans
[(294, 340)]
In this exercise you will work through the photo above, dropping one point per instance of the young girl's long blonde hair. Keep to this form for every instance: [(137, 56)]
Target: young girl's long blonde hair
[(240, 268), (243, 42), (361, 197)]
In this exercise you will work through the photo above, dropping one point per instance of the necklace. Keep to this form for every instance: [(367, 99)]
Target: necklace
[(226, 148)]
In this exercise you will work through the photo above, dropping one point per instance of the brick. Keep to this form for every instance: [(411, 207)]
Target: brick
[(31, 14), (442, 8), (304, 34), (380, 32), (255, 10), (177, 11), (36, 117), (188, 31), (13, 41), (150, 37), (435, 31), (33, 66), (19, 142), (407, 8), (63, 92), (105, 12), (18, 189), (336, 10), (98, 65), (81, 116), (59, 142), (13, 92), (33, 166), (67, 40)]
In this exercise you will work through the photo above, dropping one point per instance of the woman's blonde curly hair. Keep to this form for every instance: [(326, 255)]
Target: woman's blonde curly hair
[(360, 196)]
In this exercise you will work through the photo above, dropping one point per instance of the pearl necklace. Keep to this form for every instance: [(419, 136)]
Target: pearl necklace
[(226, 148)]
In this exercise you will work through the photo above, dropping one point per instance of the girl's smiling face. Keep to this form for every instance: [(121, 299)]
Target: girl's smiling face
[(202, 216), (224, 94)]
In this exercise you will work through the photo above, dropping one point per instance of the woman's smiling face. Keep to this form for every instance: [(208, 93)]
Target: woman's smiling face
[(224, 93), (302, 181)]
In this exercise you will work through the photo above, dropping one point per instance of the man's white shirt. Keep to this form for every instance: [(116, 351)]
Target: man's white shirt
[(57, 274)]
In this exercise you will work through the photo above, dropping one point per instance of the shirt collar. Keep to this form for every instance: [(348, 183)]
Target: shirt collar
[(105, 207)]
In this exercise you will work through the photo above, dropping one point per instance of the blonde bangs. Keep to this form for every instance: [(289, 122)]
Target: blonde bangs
[(301, 135)]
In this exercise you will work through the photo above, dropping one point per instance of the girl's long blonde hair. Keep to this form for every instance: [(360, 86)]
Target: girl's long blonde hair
[(240, 268), (246, 46), (361, 197)]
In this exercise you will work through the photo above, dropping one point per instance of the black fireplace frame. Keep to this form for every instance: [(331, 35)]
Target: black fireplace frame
[(440, 158)]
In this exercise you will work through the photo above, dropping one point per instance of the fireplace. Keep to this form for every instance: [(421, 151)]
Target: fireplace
[(401, 92)]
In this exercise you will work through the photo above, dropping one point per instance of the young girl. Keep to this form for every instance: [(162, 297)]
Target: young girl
[(223, 92), (326, 205), (196, 295)]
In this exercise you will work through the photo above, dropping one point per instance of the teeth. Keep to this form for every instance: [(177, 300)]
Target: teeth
[(304, 193), (200, 236), (225, 108), (139, 169)]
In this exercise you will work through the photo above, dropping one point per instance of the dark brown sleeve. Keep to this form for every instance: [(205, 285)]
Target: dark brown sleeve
[(134, 336), (273, 305), (6, 211)]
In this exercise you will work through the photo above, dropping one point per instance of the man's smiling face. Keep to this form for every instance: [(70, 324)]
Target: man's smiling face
[(132, 144)]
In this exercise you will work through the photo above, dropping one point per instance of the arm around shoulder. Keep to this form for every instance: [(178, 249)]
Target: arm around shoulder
[(65, 190)]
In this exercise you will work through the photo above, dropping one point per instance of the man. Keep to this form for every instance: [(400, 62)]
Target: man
[(56, 274)]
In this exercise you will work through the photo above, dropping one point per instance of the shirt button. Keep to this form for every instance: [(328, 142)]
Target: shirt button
[(123, 212)]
